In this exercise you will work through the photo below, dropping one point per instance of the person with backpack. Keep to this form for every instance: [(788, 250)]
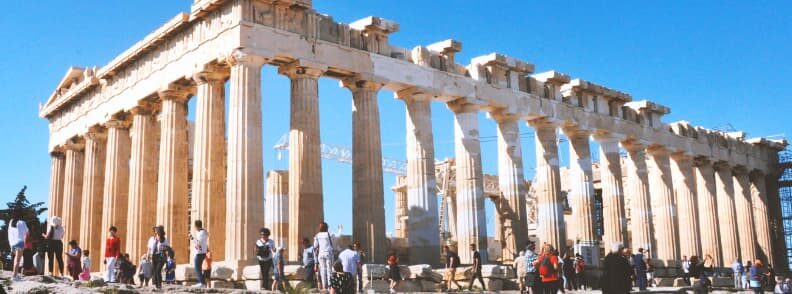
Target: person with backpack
[(580, 272), (323, 247), (532, 282), (547, 265), (265, 248), (158, 249), (452, 262)]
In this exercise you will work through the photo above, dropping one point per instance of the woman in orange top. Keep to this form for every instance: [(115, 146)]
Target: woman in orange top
[(547, 265), (206, 268)]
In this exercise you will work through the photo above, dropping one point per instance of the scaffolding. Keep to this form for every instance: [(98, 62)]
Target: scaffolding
[(785, 197)]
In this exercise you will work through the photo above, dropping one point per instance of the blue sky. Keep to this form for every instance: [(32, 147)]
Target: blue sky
[(713, 62)]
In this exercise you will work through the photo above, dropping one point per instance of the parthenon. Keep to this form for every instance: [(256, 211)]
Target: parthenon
[(121, 152)]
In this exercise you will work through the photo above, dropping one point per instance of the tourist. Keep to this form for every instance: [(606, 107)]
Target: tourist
[(568, 272), (158, 249), (308, 263), (265, 247), (519, 267), (532, 281), (650, 268), (756, 276), (685, 263), (277, 261), (548, 267), (476, 269), (200, 241), (73, 260), (170, 268), (125, 270), (38, 259), (771, 276), (362, 256), (709, 264), (145, 272), (340, 281), (561, 277), (737, 272), (323, 249), (703, 285), (17, 231), (54, 239), (616, 272), (206, 268), (394, 274), (452, 262), (85, 275), (350, 260), (112, 250), (580, 272), (745, 275), (639, 266), (784, 287)]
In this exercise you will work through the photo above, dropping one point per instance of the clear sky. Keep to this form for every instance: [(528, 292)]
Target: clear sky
[(712, 62)]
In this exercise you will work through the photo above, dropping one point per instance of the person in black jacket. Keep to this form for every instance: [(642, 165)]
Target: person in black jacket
[(616, 272)]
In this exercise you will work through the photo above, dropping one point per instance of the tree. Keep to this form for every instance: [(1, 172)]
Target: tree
[(28, 212)]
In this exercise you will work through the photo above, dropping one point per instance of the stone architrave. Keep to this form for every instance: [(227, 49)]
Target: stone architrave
[(707, 210), (208, 175), (727, 215), (420, 209), (581, 194), (760, 212), (685, 193), (614, 219), (471, 222), (72, 192), (745, 217), (368, 203), (550, 217), (512, 187), (638, 189), (116, 188), (666, 249), (276, 214), (305, 201), (143, 166), (245, 173), (57, 174), (173, 164), (93, 188)]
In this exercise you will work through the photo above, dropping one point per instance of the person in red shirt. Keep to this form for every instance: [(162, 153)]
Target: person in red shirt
[(112, 250), (547, 265)]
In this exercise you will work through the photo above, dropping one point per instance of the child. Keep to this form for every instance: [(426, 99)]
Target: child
[(277, 262), (86, 266), (206, 268), (73, 260), (146, 270), (170, 268), (127, 270)]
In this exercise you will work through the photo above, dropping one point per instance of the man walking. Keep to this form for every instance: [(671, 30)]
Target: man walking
[(265, 248), (532, 282), (308, 262), (112, 250), (200, 243), (452, 262), (639, 265), (476, 269)]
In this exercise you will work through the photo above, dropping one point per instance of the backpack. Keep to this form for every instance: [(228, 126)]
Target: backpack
[(546, 266), (263, 251)]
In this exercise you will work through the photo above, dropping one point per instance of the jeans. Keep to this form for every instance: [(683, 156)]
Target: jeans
[(197, 262), (477, 274), (325, 270), (159, 262), (110, 274), (308, 272), (737, 280), (640, 279), (55, 251), (264, 273)]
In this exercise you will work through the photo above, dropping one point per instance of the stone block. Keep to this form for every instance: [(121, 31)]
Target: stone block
[(222, 272), (379, 286), (223, 284), (680, 282), (409, 286), (294, 272), (251, 272), (722, 281), (299, 285), (375, 271), (664, 282), (428, 286), (497, 271), (492, 284), (185, 272), (419, 271), (252, 285)]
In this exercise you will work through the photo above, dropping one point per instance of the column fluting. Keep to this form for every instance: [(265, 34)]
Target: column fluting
[(614, 219), (551, 227), (761, 221), (727, 215), (706, 194), (93, 192), (664, 210), (143, 167), (638, 191), (72, 191), (744, 214), (685, 191)]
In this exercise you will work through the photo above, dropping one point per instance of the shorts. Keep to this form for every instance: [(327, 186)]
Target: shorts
[(18, 246), (530, 279), (276, 276)]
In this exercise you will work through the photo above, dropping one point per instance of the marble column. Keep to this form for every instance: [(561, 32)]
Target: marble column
[(245, 174), (745, 217), (143, 166), (638, 189), (400, 207), (72, 191), (420, 211), (173, 165), (661, 187), (727, 216), (92, 194), (471, 221), (685, 192), (276, 206), (306, 209), (512, 187), (614, 219), (550, 217), (116, 188), (581, 194), (760, 212), (707, 210), (368, 207), (208, 174), (57, 174)]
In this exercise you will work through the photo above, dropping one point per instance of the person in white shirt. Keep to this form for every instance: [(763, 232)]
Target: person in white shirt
[(200, 242), (265, 248), (17, 230), (323, 245), (350, 259), (54, 239), (157, 247)]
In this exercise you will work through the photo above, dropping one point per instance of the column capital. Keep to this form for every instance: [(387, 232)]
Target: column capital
[(413, 94), (210, 73), (680, 156), (362, 82), (174, 91), (118, 121), (303, 69), (701, 161), (719, 165), (658, 150), (740, 169), (96, 133), (75, 144), (57, 152), (144, 107), (605, 135), (502, 116), (575, 132), (240, 57), (633, 145), (462, 105), (543, 123)]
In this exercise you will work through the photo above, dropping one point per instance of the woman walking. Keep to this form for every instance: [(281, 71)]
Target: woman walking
[(17, 231), (54, 239), (158, 247), (323, 245)]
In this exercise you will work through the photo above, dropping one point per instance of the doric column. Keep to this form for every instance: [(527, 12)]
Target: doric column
[(512, 187), (421, 212), (245, 177), (208, 175), (685, 191), (707, 210), (745, 217), (400, 207), (276, 214), (471, 222), (581, 194), (761, 222), (614, 219), (143, 166), (727, 216), (72, 191), (173, 165), (57, 174), (662, 195), (93, 191), (305, 205), (551, 228), (368, 208), (116, 186), (638, 191)]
